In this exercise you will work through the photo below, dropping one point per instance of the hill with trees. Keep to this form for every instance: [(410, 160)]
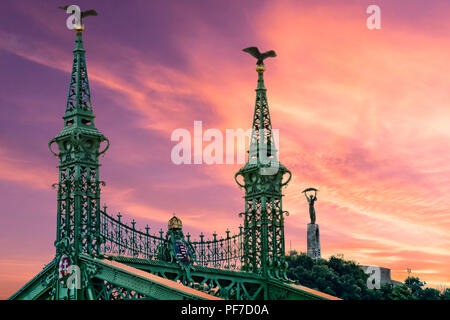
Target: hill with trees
[(345, 279)]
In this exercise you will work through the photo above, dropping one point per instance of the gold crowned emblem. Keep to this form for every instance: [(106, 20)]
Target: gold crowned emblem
[(175, 223)]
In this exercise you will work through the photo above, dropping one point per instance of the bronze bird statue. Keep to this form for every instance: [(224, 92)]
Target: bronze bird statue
[(254, 51), (84, 14)]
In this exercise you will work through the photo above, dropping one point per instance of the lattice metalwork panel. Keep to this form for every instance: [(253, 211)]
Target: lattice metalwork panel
[(104, 290), (121, 239), (79, 96), (262, 126), (223, 253), (78, 209)]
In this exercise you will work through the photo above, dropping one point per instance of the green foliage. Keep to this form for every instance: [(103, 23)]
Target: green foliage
[(336, 276), (402, 292), (345, 279), (415, 285), (430, 294), (446, 294)]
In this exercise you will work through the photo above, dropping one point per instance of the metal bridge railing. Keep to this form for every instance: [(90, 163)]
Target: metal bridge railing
[(123, 240), (223, 253)]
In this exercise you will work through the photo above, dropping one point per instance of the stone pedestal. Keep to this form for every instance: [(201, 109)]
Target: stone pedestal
[(313, 240)]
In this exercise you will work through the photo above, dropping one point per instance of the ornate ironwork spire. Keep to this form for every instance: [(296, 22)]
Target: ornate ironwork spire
[(79, 105), (264, 248), (79, 142), (79, 93), (262, 142)]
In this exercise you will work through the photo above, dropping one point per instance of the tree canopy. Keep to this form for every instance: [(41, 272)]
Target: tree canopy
[(345, 279)]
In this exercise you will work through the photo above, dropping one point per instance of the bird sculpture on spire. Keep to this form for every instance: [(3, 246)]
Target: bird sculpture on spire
[(254, 51)]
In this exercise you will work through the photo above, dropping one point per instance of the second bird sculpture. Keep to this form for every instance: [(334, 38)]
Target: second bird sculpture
[(254, 51)]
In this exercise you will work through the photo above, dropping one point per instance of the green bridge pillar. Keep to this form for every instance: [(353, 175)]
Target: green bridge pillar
[(78, 143), (264, 248)]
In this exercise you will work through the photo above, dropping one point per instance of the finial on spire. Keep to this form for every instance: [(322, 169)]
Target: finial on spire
[(260, 68), (254, 51), (79, 29)]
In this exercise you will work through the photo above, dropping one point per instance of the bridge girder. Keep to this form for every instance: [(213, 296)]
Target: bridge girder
[(118, 277), (228, 284)]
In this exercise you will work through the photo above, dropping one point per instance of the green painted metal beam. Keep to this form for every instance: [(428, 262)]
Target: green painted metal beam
[(38, 287), (225, 281), (147, 284)]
